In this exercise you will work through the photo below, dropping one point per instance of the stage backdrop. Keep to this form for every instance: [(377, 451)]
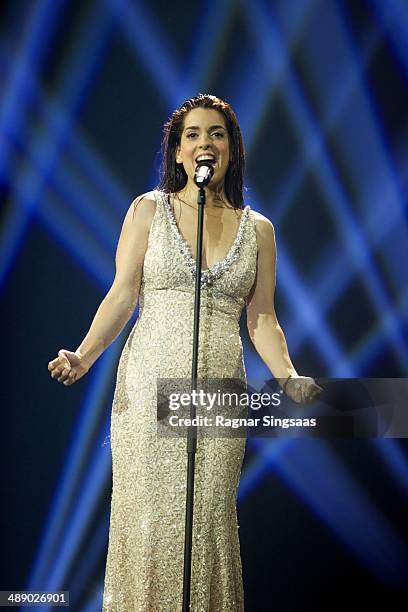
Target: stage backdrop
[(320, 90)]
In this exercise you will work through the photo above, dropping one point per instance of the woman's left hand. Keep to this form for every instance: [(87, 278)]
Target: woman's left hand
[(302, 389)]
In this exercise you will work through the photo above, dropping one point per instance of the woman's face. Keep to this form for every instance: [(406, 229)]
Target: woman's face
[(204, 136)]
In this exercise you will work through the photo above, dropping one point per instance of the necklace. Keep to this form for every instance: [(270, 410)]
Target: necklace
[(206, 212)]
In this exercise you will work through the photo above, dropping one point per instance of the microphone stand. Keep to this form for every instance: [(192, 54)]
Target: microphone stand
[(192, 429)]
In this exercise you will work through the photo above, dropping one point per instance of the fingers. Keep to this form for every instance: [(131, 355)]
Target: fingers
[(53, 363), (58, 361), (312, 392), (64, 374), (61, 370), (293, 389), (71, 378), (56, 368), (304, 389)]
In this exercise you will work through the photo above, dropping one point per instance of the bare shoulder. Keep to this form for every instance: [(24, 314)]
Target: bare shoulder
[(145, 201), (143, 208), (264, 227)]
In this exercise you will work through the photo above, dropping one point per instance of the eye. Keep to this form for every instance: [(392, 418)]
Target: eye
[(190, 134), (218, 134)]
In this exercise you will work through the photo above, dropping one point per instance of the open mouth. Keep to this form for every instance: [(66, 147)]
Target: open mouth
[(205, 159)]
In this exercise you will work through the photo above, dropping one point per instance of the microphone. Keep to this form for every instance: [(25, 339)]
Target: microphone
[(203, 173)]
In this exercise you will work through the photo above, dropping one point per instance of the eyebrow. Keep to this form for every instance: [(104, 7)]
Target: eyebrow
[(212, 127)]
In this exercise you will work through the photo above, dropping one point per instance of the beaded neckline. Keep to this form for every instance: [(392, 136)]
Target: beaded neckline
[(209, 275)]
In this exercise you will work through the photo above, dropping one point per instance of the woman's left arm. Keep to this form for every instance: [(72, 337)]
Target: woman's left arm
[(263, 326)]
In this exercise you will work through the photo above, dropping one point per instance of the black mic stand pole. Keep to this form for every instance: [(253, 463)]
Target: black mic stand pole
[(192, 430)]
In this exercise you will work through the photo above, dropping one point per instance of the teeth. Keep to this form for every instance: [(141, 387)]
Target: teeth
[(205, 158)]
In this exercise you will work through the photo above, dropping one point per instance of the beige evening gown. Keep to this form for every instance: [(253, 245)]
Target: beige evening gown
[(144, 570)]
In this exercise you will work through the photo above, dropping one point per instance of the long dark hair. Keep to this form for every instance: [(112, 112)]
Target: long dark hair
[(173, 177)]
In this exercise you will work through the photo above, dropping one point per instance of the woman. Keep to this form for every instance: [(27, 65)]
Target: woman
[(155, 264)]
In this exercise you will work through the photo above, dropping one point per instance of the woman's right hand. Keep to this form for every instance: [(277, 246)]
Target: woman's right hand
[(68, 367)]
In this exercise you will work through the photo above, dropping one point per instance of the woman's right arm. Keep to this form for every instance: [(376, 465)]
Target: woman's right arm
[(120, 302)]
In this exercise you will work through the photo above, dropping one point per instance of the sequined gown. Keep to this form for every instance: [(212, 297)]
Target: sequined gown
[(144, 570)]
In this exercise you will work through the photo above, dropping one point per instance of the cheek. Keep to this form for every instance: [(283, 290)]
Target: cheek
[(224, 149), (188, 150)]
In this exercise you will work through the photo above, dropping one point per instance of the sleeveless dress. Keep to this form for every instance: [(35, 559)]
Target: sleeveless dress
[(144, 569)]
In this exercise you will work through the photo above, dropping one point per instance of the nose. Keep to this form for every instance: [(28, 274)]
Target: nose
[(205, 141)]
